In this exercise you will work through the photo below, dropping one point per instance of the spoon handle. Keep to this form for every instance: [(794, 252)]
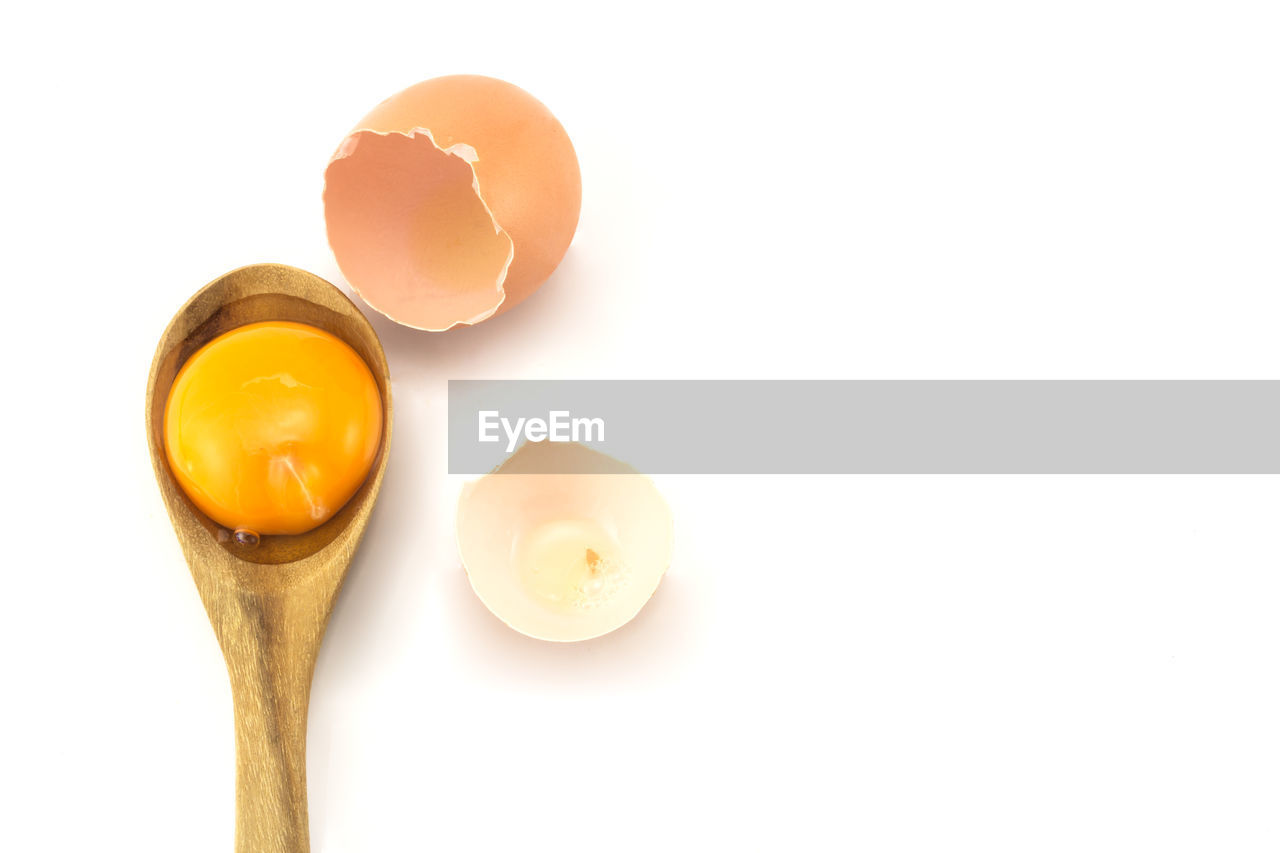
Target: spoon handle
[(270, 657)]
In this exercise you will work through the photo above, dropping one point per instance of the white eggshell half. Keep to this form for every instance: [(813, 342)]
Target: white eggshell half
[(545, 482)]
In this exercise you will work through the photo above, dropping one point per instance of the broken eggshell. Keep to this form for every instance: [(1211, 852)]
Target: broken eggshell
[(562, 542), (452, 201)]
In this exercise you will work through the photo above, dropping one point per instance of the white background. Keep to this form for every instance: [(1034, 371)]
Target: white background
[(894, 190)]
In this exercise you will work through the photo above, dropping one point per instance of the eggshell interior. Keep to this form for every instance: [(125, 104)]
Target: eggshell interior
[(545, 482), (452, 201)]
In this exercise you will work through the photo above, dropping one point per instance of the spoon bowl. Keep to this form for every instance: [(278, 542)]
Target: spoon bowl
[(268, 604)]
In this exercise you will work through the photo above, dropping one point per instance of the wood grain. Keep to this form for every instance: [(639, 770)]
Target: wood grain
[(268, 605)]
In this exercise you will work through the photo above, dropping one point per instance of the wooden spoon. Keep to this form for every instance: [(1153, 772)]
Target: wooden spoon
[(268, 604)]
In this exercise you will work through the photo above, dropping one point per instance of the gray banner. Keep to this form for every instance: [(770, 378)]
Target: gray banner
[(879, 427)]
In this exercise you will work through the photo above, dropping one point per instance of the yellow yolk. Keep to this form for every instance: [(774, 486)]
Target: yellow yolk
[(272, 427)]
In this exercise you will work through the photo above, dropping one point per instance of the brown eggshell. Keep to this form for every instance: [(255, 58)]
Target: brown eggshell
[(452, 201)]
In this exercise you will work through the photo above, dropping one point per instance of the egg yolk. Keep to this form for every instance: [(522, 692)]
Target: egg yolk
[(272, 427)]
